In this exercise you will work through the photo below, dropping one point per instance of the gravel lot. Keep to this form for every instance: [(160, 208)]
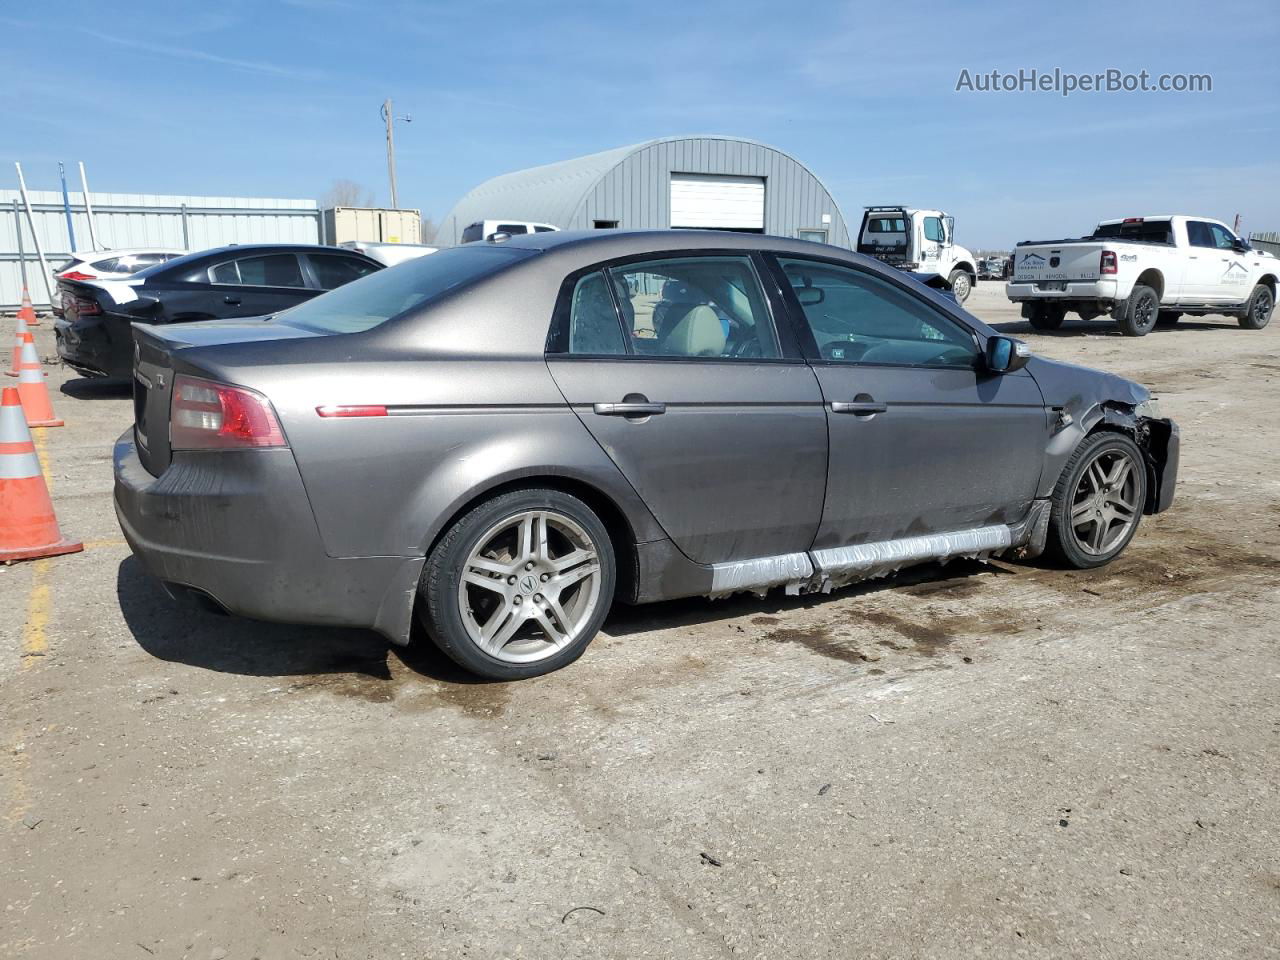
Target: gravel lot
[(973, 760)]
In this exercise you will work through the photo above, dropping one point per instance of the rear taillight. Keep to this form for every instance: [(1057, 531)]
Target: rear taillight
[(87, 308), (205, 415), (1107, 262), (77, 275)]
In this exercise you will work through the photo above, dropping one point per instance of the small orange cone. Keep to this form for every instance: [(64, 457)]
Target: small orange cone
[(28, 527), (32, 388), (20, 331), (27, 313)]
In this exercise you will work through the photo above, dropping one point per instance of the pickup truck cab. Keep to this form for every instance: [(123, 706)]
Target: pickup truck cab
[(920, 242), (1145, 271)]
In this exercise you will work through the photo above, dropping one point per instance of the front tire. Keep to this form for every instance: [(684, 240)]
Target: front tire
[(1257, 313), (520, 585), (1141, 311), (1098, 501), (961, 285)]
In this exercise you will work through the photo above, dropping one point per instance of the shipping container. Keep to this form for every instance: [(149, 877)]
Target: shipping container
[(372, 225)]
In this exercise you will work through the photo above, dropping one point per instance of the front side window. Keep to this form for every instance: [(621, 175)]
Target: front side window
[(333, 271), (859, 318), (695, 307), (1222, 237), (933, 229), (272, 270)]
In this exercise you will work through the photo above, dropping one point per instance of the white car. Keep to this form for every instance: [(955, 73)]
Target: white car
[(110, 265), (920, 242), (1144, 271), (484, 229), (389, 254)]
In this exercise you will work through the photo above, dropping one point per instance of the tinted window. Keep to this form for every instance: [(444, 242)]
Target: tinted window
[(1198, 234), (333, 270), (110, 265), (67, 265), (511, 228), (593, 319), (272, 270), (933, 229), (1222, 237), (225, 273), (473, 233), (858, 318), (1147, 231), (544, 229), (695, 307), (384, 294)]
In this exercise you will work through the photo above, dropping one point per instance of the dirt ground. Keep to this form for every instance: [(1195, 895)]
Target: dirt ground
[(974, 760)]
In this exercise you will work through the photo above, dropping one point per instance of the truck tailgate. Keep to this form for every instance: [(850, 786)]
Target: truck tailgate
[(1045, 263)]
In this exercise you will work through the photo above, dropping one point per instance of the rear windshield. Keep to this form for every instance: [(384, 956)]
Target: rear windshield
[(369, 301), (1149, 231)]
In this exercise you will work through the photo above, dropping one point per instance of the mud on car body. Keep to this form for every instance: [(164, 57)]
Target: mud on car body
[(503, 438)]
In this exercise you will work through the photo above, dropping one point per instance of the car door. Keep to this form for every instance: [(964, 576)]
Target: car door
[(252, 286), (676, 366), (931, 244), (922, 441)]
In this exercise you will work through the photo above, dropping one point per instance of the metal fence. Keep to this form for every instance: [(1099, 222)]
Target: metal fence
[(1269, 242), (124, 220)]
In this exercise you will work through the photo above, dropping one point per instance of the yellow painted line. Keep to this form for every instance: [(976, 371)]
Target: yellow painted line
[(35, 644), (105, 542), (37, 437)]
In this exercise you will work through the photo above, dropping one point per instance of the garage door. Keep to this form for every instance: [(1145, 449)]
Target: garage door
[(708, 200)]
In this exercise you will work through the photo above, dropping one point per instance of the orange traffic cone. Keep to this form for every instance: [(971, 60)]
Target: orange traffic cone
[(20, 331), (28, 527), (27, 313), (32, 388)]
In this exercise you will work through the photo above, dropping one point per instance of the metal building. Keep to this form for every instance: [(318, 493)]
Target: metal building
[(711, 182), (124, 220)]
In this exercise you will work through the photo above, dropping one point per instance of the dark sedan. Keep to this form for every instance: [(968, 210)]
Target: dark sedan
[(506, 437), (94, 333)]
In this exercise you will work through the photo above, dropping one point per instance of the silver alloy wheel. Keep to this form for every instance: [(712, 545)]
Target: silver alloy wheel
[(529, 586), (1105, 506), (961, 287)]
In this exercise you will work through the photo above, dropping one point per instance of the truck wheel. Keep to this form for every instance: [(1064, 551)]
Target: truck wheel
[(519, 586), (1140, 312), (1168, 318), (1098, 501), (1258, 313), (1048, 316), (961, 285)]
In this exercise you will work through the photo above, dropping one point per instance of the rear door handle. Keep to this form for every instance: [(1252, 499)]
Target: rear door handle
[(861, 408), (234, 301), (645, 409)]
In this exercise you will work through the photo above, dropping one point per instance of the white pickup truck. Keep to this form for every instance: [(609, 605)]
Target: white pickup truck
[(920, 242), (1145, 271)]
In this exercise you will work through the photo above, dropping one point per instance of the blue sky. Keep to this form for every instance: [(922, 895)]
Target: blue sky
[(281, 97)]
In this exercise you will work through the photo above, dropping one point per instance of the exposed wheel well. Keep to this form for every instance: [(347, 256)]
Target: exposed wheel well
[(1269, 281), (1153, 279), (615, 521), (967, 267)]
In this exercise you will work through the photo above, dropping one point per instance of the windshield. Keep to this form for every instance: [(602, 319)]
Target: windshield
[(369, 301)]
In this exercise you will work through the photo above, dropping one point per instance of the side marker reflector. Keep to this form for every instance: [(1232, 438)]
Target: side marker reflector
[(341, 410)]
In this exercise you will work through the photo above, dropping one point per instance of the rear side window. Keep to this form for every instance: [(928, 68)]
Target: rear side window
[(473, 233), (333, 271), (511, 228), (1198, 234), (385, 294), (544, 229), (593, 319)]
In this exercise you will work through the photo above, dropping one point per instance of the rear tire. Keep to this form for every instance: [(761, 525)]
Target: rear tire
[(1257, 314), (961, 285), (488, 596), (1141, 310), (1048, 317), (1098, 500)]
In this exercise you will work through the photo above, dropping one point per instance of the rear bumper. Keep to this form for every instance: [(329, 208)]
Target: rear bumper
[(97, 346), (1075, 290), (237, 527)]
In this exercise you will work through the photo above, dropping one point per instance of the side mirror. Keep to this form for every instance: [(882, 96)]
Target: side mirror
[(1005, 355), (1239, 246)]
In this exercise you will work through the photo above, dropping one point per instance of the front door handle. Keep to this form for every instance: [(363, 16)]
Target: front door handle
[(863, 406), (629, 409), (234, 301)]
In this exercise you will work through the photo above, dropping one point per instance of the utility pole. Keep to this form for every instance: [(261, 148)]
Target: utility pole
[(389, 116)]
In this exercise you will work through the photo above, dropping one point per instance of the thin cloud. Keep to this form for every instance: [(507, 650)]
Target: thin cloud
[(185, 53)]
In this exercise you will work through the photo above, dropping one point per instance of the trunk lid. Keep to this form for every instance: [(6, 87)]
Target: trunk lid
[(1051, 265), (156, 348)]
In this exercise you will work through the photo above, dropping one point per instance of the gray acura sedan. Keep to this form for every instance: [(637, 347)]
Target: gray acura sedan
[(504, 438)]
